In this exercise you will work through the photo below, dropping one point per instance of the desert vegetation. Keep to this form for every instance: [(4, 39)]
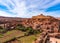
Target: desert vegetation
[(20, 33)]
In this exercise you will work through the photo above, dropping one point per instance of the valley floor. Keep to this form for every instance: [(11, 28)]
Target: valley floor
[(17, 36)]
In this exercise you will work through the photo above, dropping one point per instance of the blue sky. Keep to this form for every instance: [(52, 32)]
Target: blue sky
[(29, 8)]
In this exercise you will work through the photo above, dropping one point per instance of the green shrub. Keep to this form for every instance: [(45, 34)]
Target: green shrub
[(21, 27), (1, 27), (28, 30), (2, 30), (1, 35), (32, 31)]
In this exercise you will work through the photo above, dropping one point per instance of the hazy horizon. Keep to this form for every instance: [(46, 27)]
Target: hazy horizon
[(29, 8)]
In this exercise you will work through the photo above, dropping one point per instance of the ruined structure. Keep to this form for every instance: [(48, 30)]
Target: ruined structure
[(43, 23), (49, 26), (50, 30), (36, 22)]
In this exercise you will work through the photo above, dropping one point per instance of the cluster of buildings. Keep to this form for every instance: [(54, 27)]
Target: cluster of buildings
[(49, 26)]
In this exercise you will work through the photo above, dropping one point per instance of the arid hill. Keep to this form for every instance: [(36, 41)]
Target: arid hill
[(50, 26), (36, 22)]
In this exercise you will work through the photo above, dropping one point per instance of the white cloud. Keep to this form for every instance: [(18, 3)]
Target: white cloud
[(21, 10), (2, 2), (51, 4), (44, 4), (6, 14), (54, 13)]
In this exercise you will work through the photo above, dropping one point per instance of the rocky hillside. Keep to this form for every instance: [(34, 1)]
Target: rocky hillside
[(36, 22), (48, 25)]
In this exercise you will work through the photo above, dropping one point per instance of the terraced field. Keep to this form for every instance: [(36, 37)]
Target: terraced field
[(27, 39), (16, 36), (10, 35)]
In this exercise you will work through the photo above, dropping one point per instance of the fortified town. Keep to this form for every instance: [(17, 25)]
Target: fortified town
[(48, 25)]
